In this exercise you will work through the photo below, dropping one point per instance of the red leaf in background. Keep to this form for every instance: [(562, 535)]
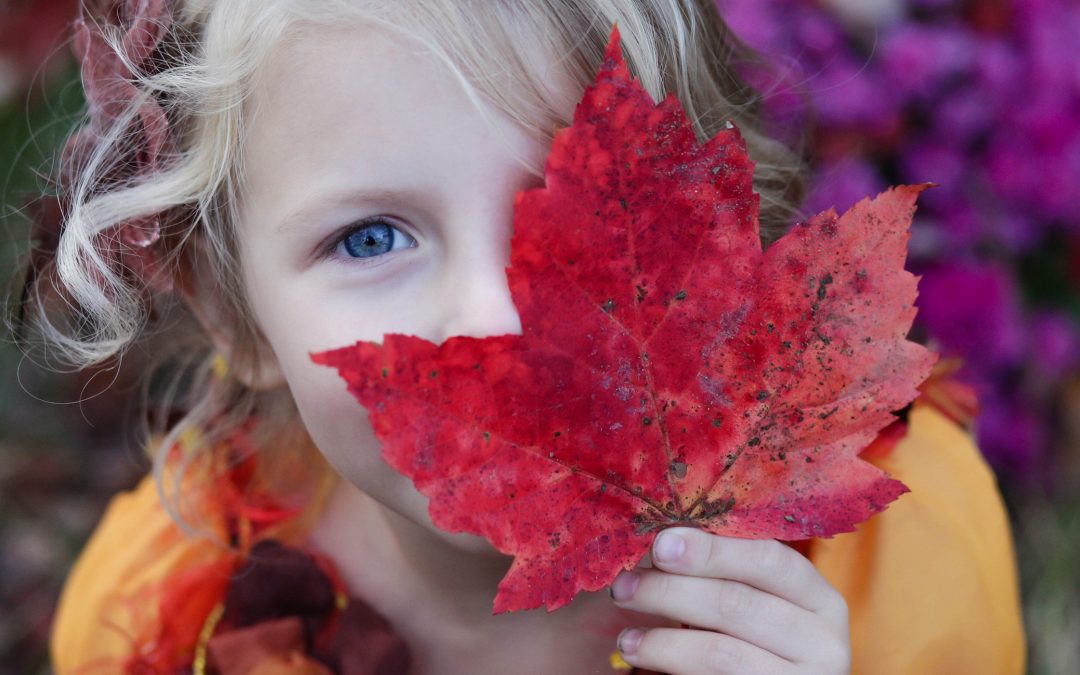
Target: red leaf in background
[(669, 372)]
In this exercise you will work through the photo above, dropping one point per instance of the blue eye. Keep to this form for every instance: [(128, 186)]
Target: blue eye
[(374, 239)]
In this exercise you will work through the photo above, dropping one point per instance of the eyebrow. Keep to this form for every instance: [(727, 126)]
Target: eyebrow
[(332, 201)]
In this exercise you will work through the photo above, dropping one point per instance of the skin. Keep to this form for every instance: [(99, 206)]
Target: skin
[(399, 126)]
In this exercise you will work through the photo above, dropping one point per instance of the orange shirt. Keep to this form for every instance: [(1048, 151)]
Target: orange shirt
[(931, 583)]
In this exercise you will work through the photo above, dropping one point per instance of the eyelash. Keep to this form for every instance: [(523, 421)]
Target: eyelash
[(338, 240)]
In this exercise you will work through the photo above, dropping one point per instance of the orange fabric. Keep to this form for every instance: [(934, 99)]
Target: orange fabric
[(109, 601), (931, 583)]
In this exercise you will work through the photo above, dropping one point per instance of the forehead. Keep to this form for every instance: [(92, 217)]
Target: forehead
[(359, 104)]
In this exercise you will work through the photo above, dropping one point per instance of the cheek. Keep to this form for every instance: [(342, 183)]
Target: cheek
[(339, 426), (297, 318), (301, 315)]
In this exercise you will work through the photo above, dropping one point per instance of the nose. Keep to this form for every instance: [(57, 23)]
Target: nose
[(475, 298)]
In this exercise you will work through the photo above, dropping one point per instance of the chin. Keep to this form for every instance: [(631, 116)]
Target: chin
[(400, 499), (469, 543), (414, 507)]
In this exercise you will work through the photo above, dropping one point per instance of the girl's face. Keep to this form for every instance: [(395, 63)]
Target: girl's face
[(376, 200)]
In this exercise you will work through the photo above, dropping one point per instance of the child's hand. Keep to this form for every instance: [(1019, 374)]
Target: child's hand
[(773, 611)]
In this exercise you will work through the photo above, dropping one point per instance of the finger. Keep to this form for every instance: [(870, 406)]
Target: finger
[(765, 564), (731, 607), (697, 652)]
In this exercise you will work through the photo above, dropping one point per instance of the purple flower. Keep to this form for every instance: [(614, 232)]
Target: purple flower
[(958, 120), (999, 71), (1015, 229), (1049, 31), (1011, 436), (1040, 177), (757, 23), (983, 99), (819, 34), (848, 92), (1054, 345), (918, 59), (843, 183), (972, 309), (962, 226), (933, 161)]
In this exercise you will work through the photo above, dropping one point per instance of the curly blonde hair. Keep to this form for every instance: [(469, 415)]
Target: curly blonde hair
[(204, 69)]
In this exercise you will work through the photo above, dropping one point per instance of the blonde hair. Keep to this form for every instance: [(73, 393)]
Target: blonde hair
[(213, 52)]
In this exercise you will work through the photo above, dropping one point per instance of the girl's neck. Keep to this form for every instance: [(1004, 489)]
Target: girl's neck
[(439, 597)]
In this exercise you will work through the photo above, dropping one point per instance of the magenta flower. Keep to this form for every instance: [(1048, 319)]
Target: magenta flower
[(841, 184), (982, 98), (972, 309)]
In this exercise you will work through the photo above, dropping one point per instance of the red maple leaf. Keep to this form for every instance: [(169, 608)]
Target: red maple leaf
[(669, 371)]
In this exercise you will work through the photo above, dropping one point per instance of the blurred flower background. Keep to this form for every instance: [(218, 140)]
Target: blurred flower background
[(981, 97)]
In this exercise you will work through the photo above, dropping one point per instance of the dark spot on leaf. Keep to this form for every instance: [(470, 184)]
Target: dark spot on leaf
[(487, 436), (754, 441), (434, 373), (646, 421), (641, 292), (681, 295), (808, 459), (712, 509), (385, 372), (603, 488), (730, 460), (762, 395), (608, 306), (622, 203), (825, 281), (679, 469), (716, 422), (790, 519)]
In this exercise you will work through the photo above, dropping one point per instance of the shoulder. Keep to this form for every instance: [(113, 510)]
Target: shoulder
[(103, 610), (931, 582)]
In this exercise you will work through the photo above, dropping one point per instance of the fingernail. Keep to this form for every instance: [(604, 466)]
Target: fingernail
[(622, 589), (669, 547), (629, 640)]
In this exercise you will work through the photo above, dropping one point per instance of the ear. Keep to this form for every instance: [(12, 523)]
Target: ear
[(195, 284)]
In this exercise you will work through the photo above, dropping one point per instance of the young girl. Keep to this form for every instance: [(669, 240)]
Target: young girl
[(263, 179)]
